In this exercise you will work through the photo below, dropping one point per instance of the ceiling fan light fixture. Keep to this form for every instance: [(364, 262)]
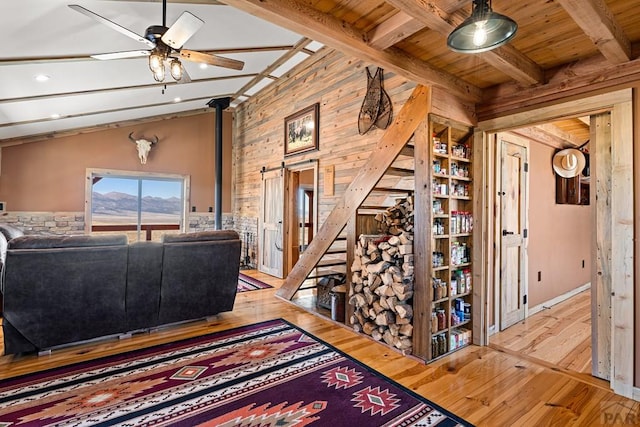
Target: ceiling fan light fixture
[(158, 75), (482, 31), (176, 69), (155, 62)]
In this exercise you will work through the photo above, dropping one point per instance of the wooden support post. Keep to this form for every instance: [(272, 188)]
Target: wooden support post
[(421, 241), (601, 268)]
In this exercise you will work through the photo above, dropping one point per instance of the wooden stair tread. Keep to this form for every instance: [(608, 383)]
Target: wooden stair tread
[(408, 151), (399, 171), (392, 190), (374, 208), (327, 273), (331, 262), (336, 251)]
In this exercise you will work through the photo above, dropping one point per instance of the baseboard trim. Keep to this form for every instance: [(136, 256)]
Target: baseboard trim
[(636, 394), (557, 300)]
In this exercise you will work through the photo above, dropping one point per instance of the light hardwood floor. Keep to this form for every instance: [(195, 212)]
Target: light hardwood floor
[(560, 335), (486, 386)]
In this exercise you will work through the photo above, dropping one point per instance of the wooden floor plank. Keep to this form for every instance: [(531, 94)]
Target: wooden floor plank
[(486, 386), (560, 335)]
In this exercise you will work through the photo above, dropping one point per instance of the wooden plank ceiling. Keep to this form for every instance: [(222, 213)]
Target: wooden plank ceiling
[(563, 47)]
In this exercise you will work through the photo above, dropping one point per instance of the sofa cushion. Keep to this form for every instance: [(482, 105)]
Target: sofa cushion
[(81, 241), (199, 275), (200, 236), (56, 292)]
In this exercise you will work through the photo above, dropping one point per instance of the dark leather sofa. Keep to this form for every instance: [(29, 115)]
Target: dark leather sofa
[(66, 289)]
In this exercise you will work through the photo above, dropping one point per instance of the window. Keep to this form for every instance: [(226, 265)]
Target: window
[(144, 206)]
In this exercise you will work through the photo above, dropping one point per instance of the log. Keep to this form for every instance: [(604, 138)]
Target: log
[(368, 327), (387, 277), (388, 338), (358, 300), (377, 307), (401, 289), (377, 268), (392, 302), (405, 311), (394, 329), (405, 249), (403, 343), (406, 330), (394, 241), (385, 318)]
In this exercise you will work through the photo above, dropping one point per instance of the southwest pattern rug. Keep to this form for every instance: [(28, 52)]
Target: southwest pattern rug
[(247, 283), (267, 374)]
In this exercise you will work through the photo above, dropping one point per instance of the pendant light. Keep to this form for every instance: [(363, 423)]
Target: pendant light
[(482, 31), (176, 69)]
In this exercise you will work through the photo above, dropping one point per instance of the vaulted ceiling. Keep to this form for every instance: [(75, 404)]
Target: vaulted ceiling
[(563, 48)]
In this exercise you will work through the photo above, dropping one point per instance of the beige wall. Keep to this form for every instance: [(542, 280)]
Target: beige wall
[(559, 235), (49, 175)]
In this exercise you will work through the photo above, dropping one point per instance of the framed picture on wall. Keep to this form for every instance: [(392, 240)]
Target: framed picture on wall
[(301, 131)]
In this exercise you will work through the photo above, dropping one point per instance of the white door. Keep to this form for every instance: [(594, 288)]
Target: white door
[(270, 226), (513, 208)]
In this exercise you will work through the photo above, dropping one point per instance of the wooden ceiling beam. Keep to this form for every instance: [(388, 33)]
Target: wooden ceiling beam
[(598, 22), (401, 25), (566, 138), (578, 79), (451, 6), (393, 30), (333, 32), (535, 134), (507, 59)]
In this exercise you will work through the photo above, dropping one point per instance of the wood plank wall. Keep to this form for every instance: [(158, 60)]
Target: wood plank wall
[(338, 83)]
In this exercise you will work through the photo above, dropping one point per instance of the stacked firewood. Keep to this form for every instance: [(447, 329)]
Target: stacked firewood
[(381, 288), (397, 218)]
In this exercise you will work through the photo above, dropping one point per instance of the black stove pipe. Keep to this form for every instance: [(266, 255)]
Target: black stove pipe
[(220, 104)]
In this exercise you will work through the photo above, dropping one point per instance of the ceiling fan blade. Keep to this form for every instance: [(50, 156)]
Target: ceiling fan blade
[(195, 56), (186, 78), (112, 25), (121, 55), (182, 30)]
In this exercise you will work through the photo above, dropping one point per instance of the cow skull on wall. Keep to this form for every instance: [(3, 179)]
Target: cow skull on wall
[(143, 146)]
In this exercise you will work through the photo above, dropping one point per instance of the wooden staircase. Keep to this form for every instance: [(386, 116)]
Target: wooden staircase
[(391, 145)]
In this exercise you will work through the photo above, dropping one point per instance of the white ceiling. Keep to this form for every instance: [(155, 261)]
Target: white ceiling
[(45, 37)]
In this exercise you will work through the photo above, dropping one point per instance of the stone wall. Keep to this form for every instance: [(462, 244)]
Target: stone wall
[(61, 223), (67, 223)]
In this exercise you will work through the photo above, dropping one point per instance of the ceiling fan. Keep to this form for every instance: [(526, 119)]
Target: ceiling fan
[(165, 45)]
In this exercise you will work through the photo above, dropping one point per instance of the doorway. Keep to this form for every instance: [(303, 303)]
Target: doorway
[(288, 216), (301, 219), (614, 208), (513, 192)]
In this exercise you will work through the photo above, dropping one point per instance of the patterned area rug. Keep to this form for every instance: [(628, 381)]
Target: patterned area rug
[(247, 283), (267, 374)]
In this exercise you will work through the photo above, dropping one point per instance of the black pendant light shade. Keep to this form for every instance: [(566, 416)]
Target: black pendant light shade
[(482, 31)]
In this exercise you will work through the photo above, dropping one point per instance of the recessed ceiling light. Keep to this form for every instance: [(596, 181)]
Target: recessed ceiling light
[(203, 66), (42, 77), (55, 116), (177, 99)]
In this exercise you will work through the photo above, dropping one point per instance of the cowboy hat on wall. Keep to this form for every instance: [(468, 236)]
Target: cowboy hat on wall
[(569, 162)]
